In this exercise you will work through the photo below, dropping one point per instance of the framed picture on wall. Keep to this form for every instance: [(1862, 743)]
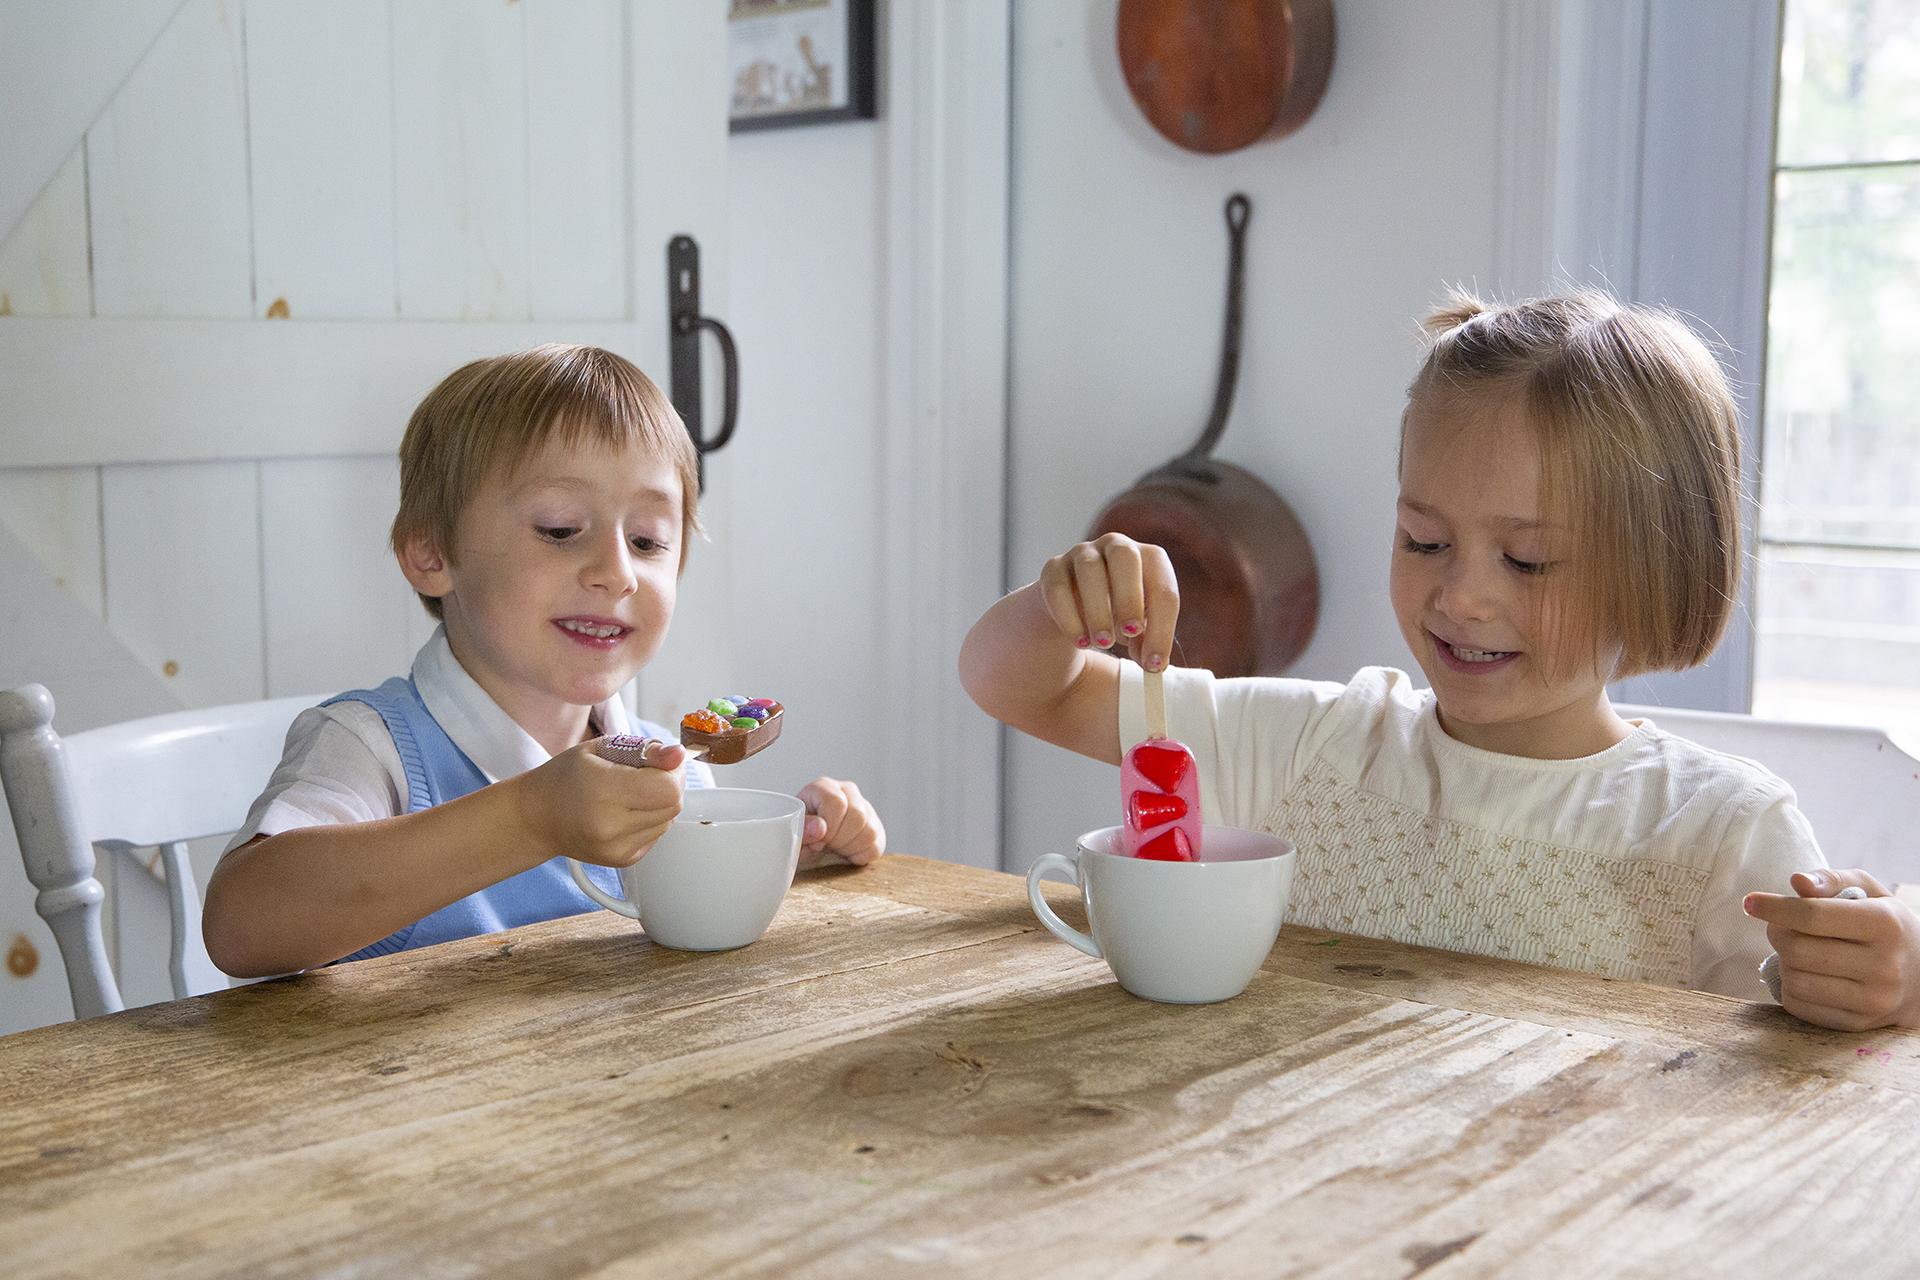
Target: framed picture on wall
[(800, 62)]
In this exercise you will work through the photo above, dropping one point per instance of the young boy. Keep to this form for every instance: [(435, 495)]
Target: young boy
[(546, 502)]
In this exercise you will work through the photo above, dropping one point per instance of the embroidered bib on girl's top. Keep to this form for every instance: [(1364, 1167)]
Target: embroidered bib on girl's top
[(1373, 867)]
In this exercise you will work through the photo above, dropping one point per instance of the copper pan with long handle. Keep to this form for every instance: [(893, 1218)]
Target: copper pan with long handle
[(1249, 588)]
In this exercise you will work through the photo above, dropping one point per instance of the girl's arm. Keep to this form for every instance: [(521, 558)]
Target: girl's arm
[(306, 897), (1036, 659)]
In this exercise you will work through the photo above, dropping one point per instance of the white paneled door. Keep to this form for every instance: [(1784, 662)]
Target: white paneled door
[(285, 223)]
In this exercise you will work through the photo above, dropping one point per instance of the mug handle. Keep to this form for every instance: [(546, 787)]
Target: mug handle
[(599, 895), (1055, 925)]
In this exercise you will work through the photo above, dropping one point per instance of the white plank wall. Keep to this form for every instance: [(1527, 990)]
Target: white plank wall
[(358, 160), (183, 575), (55, 511), (167, 177), (43, 264), (321, 139), (460, 138), (338, 614), (320, 146), (576, 161)]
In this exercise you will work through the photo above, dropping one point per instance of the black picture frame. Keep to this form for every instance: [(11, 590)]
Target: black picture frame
[(770, 55)]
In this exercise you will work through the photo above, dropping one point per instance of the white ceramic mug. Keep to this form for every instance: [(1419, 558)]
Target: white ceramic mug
[(716, 878), (1179, 932)]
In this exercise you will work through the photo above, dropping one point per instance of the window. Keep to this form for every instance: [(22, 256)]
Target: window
[(1838, 591)]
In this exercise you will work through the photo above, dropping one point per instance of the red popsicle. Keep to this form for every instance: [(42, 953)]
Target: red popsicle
[(1160, 791)]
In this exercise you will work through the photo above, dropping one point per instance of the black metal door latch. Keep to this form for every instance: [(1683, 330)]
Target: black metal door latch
[(684, 323)]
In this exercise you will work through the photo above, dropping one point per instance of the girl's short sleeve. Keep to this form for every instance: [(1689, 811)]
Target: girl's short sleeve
[(1767, 841)]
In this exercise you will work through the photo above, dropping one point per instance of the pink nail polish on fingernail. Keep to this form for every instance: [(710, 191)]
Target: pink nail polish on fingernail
[(1131, 629), (1154, 662), (1746, 904), (1103, 639), (1082, 642)]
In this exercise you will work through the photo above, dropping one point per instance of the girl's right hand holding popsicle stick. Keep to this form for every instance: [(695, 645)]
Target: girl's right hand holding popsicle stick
[(1037, 660), (1114, 590)]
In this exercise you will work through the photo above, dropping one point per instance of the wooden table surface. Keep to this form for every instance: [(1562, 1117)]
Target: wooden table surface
[(907, 1075)]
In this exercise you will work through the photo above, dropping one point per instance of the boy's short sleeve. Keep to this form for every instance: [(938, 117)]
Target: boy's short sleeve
[(1248, 736), (1766, 842), (339, 765)]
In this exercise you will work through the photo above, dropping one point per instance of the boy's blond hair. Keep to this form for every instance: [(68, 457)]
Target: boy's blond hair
[(487, 417), (1640, 457)]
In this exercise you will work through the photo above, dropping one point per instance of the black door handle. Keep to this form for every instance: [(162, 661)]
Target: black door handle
[(684, 323)]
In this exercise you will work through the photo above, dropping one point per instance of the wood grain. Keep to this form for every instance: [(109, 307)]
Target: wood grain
[(905, 1073)]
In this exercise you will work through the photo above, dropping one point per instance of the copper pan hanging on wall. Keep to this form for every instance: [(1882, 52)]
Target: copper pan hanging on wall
[(1249, 588), (1216, 75)]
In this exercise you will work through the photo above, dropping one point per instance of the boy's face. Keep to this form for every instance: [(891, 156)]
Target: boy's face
[(1479, 584), (563, 577)]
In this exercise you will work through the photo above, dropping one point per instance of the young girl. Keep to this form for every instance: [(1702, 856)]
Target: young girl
[(1568, 515)]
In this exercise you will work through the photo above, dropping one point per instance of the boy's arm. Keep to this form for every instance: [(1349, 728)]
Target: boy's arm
[(306, 897), (1023, 671)]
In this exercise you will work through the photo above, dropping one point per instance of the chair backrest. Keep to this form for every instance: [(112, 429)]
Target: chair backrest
[(1859, 788), (152, 783)]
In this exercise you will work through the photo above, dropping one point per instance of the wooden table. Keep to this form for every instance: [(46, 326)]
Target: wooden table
[(906, 1075)]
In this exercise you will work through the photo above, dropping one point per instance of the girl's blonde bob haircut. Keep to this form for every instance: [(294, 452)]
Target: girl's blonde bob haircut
[(1640, 458), (488, 417)]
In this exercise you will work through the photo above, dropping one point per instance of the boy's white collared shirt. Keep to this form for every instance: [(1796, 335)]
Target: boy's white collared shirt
[(340, 764)]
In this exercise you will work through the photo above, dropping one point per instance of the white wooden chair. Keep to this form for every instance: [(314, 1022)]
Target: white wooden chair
[(1858, 787), (154, 783)]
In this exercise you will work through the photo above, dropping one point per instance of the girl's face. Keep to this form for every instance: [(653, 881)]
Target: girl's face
[(563, 581), (1479, 585)]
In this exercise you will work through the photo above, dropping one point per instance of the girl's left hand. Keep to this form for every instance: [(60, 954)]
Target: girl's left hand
[(1852, 966), (841, 826)]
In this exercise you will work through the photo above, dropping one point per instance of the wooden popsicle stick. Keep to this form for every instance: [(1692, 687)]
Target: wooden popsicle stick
[(1156, 704)]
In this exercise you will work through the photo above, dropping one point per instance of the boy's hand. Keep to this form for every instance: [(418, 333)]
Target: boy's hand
[(1850, 965), (840, 826), (1114, 589), (597, 811)]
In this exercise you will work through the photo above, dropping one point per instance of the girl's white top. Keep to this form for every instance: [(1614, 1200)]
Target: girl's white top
[(340, 764), (1631, 863)]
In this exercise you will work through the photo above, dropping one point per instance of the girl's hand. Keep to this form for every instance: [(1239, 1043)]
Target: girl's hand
[(840, 827), (601, 812), (1850, 965), (1114, 589)]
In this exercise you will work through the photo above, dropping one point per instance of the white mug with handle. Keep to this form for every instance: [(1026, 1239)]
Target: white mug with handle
[(1177, 932), (716, 878)]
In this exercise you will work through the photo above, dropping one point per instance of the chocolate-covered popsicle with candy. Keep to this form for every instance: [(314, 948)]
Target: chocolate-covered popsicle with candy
[(1160, 790), (728, 730)]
